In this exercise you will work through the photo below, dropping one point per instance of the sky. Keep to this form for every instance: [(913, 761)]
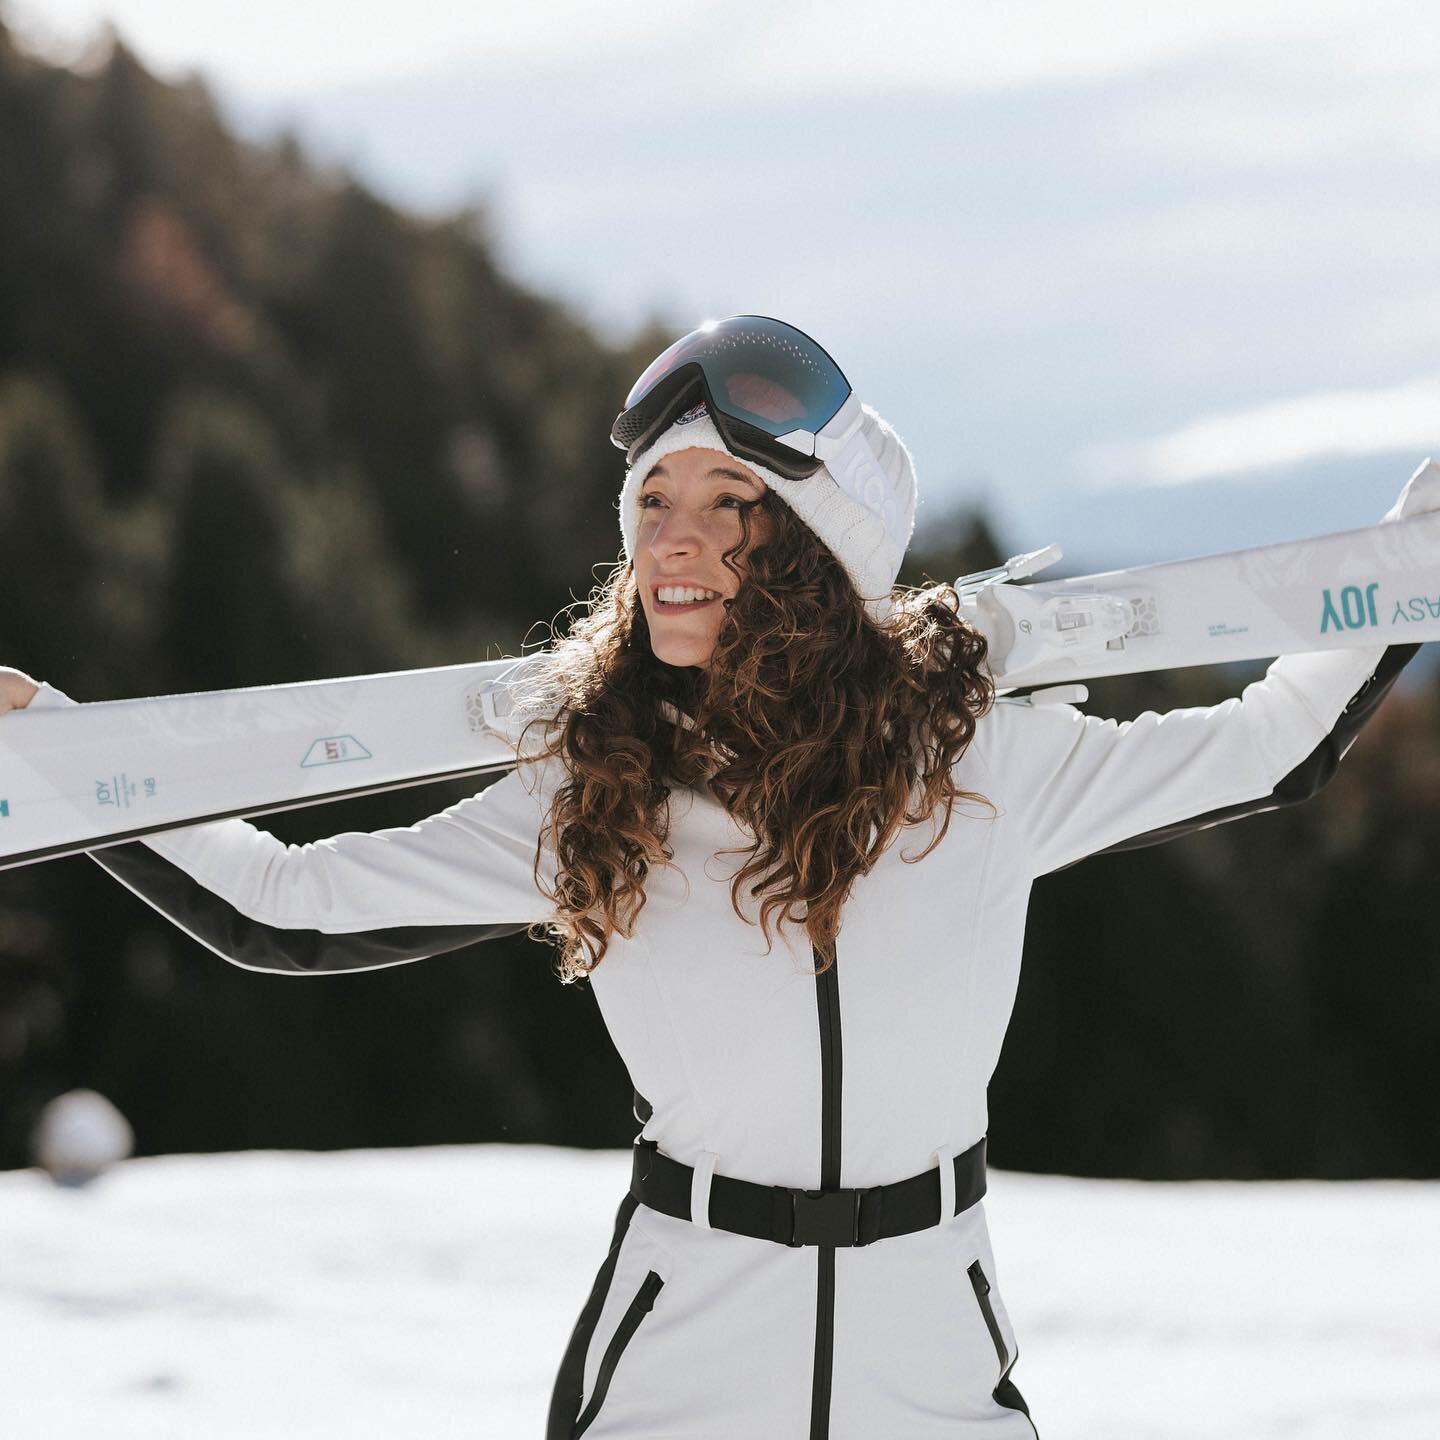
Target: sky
[(1146, 280), (431, 1291)]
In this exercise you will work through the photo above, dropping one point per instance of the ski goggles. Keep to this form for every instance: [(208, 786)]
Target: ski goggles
[(775, 395)]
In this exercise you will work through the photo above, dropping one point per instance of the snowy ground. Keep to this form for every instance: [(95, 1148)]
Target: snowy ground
[(430, 1292)]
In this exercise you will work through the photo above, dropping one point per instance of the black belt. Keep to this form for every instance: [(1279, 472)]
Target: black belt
[(807, 1217)]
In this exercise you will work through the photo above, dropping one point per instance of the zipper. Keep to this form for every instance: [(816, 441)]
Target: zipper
[(827, 999), (639, 1308), (827, 994), (981, 1287)]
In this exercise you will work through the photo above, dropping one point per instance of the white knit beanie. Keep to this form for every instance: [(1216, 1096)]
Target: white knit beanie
[(865, 514)]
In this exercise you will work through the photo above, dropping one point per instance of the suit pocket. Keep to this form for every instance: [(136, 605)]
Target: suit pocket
[(635, 1313), (981, 1285), (1004, 1393)]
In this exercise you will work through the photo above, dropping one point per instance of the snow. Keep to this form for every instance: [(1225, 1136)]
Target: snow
[(431, 1291)]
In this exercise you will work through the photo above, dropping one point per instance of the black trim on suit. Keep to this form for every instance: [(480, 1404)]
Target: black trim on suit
[(569, 1392), (827, 1000), (1309, 777), (220, 926)]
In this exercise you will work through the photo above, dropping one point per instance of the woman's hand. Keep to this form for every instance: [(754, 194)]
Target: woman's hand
[(17, 689)]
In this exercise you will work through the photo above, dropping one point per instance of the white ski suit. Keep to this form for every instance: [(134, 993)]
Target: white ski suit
[(757, 1069)]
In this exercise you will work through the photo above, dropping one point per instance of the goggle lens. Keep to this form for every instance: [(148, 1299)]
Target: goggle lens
[(759, 371)]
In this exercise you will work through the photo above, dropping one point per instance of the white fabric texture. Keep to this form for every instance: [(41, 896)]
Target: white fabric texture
[(722, 1038), (867, 524)]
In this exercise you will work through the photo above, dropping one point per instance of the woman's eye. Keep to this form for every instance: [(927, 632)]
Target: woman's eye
[(646, 499), (732, 502)]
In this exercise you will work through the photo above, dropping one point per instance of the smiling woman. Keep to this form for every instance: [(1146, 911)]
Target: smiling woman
[(769, 806)]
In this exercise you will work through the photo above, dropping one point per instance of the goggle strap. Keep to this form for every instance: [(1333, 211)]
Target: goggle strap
[(854, 466), (841, 445)]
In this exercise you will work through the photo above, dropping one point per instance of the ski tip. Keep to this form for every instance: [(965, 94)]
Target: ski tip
[(1032, 562)]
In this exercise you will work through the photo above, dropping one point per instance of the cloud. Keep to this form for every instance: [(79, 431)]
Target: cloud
[(1285, 432), (995, 44), (798, 46)]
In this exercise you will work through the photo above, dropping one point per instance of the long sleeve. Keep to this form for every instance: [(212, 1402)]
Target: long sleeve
[(355, 901), (1073, 784)]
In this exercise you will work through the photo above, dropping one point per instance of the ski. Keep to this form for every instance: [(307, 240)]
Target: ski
[(83, 777), (1375, 586)]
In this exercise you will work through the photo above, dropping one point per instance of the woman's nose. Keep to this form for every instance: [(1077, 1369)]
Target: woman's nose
[(675, 534)]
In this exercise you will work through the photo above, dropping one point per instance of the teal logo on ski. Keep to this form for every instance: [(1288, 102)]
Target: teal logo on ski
[(334, 750), (1417, 607), (1355, 611), (4, 809)]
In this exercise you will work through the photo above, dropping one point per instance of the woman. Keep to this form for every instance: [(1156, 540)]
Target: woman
[(774, 812)]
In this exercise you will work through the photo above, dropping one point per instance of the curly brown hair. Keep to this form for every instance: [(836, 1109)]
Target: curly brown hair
[(821, 730)]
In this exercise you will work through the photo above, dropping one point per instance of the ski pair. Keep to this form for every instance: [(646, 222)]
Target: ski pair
[(82, 777)]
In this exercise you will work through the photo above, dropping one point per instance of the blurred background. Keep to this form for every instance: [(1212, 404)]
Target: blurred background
[(313, 320)]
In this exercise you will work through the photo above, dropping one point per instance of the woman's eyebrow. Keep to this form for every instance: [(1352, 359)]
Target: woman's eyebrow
[(719, 470), (733, 475)]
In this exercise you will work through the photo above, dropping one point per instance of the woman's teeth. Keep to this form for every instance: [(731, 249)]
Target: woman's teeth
[(683, 594)]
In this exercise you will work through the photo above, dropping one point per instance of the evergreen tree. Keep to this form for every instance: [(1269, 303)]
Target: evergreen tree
[(228, 611)]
